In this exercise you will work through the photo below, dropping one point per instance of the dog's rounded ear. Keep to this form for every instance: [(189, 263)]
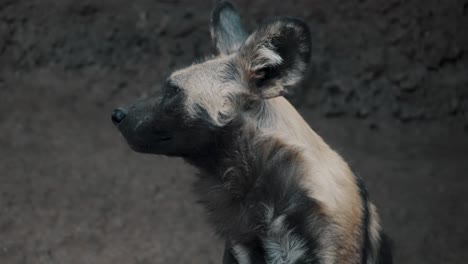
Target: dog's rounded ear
[(275, 56), (227, 31)]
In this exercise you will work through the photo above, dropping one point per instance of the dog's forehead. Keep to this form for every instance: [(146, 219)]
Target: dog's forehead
[(209, 71)]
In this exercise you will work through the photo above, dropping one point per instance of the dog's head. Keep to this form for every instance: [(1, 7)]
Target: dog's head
[(198, 101)]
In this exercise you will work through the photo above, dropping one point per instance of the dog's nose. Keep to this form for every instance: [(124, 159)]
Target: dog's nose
[(118, 115)]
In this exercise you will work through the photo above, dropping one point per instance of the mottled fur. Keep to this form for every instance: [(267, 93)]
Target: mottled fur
[(250, 186), (272, 188)]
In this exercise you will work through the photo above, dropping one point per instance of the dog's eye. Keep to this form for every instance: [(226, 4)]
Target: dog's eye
[(172, 90)]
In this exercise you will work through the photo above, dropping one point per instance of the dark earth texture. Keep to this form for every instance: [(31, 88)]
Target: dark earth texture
[(388, 89)]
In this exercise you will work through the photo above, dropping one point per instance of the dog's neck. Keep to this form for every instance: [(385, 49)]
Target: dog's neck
[(242, 171), (274, 118), (231, 139)]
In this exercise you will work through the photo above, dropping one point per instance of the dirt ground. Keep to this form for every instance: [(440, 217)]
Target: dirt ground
[(388, 89)]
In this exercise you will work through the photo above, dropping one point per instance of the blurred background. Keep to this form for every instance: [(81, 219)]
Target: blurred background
[(388, 89)]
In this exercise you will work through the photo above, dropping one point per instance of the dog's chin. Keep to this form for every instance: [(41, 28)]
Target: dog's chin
[(146, 149), (160, 147)]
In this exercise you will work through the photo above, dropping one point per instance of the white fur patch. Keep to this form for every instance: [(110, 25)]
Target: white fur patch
[(241, 254), (266, 57), (374, 233), (281, 245)]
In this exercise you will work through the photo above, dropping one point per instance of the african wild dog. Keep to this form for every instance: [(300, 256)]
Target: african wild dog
[(273, 189)]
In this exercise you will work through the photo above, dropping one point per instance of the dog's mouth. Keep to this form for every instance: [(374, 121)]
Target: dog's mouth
[(143, 137), (152, 145), (164, 138), (161, 136)]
